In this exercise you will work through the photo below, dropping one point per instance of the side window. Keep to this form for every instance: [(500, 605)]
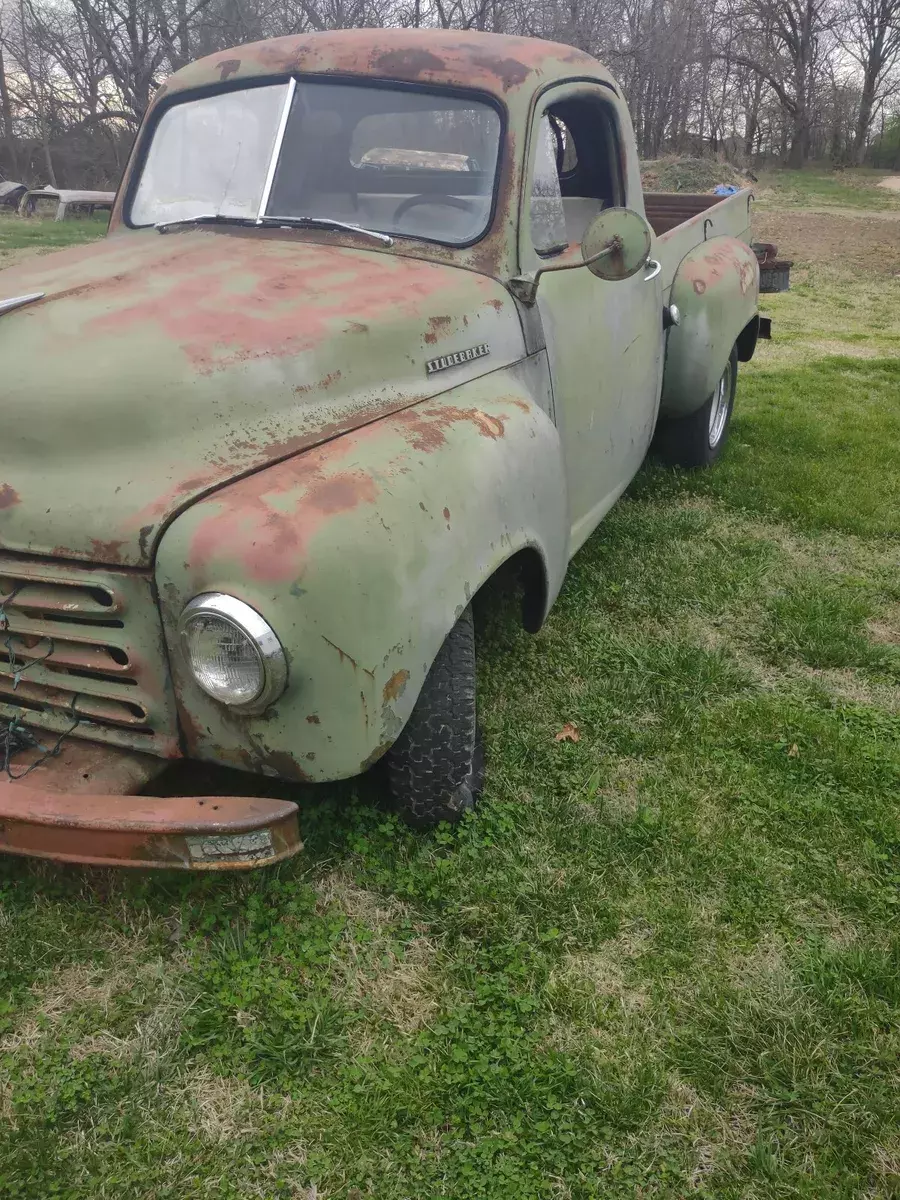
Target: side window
[(548, 220), (577, 163)]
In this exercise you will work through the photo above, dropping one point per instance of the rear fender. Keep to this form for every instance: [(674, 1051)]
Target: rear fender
[(716, 289), (361, 554)]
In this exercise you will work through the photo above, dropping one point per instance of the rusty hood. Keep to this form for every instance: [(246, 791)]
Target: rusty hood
[(158, 368)]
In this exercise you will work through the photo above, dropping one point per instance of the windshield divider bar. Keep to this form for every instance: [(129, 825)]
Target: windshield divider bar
[(276, 150)]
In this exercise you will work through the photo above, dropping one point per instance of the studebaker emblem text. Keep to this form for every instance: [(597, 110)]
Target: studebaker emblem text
[(455, 359)]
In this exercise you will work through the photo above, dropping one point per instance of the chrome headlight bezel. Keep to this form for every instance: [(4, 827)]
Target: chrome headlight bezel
[(259, 633)]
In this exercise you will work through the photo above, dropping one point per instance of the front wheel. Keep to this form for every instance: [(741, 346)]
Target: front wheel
[(436, 767), (698, 440)]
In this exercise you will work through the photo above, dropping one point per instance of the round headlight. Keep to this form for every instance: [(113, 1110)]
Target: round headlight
[(233, 654)]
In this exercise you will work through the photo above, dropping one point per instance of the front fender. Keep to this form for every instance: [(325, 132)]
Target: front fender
[(361, 554), (716, 288)]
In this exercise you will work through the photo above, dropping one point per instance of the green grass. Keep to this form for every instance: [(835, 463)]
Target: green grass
[(825, 187), (829, 313), (662, 961), (19, 233)]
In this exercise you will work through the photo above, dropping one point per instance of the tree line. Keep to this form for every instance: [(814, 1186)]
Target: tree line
[(788, 80)]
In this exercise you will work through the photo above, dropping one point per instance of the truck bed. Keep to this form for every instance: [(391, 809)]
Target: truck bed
[(683, 220)]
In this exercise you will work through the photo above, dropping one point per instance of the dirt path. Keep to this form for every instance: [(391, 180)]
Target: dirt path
[(861, 241), (892, 183)]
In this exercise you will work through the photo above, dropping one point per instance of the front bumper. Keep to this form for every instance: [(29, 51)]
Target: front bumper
[(79, 807)]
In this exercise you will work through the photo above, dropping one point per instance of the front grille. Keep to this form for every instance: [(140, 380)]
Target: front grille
[(85, 644)]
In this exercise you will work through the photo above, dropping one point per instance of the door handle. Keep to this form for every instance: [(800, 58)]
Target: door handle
[(656, 268)]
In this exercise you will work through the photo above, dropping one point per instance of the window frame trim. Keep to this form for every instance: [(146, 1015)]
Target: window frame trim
[(541, 102), (147, 132)]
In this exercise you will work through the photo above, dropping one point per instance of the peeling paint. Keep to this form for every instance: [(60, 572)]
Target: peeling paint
[(395, 686), (240, 350)]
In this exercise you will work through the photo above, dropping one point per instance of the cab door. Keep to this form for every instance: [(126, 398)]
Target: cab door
[(604, 339)]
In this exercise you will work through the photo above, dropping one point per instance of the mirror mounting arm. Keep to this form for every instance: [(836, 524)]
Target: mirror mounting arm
[(524, 287)]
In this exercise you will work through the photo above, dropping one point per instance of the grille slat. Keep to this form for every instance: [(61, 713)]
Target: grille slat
[(76, 629), (68, 599), (76, 656), (38, 696), (84, 642), (79, 683)]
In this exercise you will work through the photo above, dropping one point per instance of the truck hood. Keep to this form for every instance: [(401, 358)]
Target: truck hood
[(158, 368)]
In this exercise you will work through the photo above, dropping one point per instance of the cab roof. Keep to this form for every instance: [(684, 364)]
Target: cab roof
[(488, 62)]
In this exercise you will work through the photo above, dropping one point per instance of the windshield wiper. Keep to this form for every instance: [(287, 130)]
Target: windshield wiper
[(293, 222), (202, 219), (325, 223)]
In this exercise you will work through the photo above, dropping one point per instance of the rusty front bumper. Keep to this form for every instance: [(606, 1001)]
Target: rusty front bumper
[(75, 808)]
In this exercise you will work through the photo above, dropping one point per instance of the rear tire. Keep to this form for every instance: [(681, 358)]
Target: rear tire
[(698, 440), (436, 767)]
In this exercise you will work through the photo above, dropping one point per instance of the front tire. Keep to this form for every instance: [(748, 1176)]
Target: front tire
[(436, 768), (698, 440)]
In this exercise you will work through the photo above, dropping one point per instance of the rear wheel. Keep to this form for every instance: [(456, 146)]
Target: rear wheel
[(698, 440), (436, 766)]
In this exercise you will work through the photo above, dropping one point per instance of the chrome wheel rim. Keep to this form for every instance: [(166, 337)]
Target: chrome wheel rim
[(718, 412)]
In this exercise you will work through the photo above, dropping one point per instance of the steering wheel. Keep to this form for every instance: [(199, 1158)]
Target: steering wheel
[(432, 198)]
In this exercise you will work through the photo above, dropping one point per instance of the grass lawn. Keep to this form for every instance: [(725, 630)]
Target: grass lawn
[(824, 187), (39, 234), (662, 961)]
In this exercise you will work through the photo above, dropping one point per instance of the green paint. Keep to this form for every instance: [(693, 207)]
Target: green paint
[(251, 411)]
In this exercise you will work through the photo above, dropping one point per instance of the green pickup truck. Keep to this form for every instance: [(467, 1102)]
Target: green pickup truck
[(380, 313)]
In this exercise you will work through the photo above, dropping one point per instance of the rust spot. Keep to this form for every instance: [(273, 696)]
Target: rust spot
[(357, 327), (395, 686), (437, 326), (145, 533), (268, 541), (342, 653), (191, 485), (378, 752), (424, 429), (407, 63), (8, 496), (509, 71), (496, 304), (228, 67), (446, 514), (313, 719), (288, 304), (283, 763), (523, 404), (488, 426), (699, 286), (105, 551), (746, 275)]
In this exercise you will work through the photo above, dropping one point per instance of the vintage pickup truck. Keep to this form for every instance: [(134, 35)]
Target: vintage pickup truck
[(380, 313)]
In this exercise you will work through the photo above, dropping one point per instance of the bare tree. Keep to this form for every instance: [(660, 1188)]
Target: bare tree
[(871, 36), (782, 41), (735, 77), (7, 115)]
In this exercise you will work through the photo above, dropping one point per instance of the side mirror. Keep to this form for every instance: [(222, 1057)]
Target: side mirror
[(615, 246)]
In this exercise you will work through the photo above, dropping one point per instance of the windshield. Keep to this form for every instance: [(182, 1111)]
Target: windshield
[(401, 161)]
